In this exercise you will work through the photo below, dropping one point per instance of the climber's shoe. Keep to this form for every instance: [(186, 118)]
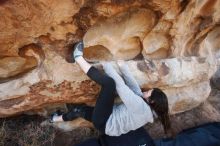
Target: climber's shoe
[(79, 111), (77, 50), (55, 114)]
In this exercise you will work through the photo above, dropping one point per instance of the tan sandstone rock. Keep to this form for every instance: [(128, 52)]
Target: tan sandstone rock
[(156, 46), (14, 66), (121, 35), (168, 74), (22, 21), (211, 45), (171, 44), (191, 26)]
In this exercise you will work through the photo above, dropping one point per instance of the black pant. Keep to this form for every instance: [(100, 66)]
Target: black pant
[(104, 104), (138, 137)]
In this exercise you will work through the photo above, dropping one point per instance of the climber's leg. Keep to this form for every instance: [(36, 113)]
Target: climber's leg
[(105, 101)]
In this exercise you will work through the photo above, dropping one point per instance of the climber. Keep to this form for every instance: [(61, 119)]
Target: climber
[(137, 109), (122, 125)]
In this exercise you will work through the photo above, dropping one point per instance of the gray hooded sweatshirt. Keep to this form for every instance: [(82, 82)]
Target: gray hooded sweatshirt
[(134, 112)]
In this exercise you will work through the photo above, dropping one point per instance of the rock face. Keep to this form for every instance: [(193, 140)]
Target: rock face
[(121, 35), (172, 45)]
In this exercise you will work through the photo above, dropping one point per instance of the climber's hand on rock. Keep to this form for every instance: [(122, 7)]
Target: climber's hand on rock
[(120, 63)]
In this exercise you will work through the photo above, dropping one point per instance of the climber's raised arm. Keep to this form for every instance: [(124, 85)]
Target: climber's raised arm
[(129, 78), (132, 101)]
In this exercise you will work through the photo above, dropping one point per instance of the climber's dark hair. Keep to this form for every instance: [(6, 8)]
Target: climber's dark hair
[(159, 103)]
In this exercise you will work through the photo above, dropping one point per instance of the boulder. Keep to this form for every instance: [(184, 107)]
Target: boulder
[(24, 21), (121, 35), (172, 45), (156, 46), (192, 25), (211, 45), (178, 77)]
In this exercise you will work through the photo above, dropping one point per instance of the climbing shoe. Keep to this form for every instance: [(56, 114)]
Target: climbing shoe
[(57, 113), (78, 110), (77, 50)]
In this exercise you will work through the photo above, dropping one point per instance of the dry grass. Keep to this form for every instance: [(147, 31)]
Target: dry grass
[(2, 133), (25, 131)]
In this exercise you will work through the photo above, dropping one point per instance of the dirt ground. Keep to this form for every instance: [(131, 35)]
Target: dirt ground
[(26, 130)]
